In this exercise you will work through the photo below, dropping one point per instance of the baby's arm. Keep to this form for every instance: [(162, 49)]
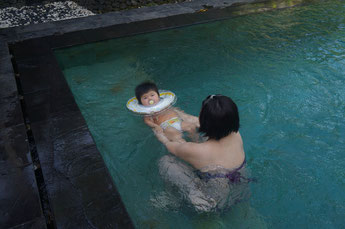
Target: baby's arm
[(149, 121), (187, 117)]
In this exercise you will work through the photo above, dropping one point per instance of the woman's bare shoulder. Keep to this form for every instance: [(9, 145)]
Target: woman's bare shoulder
[(197, 154)]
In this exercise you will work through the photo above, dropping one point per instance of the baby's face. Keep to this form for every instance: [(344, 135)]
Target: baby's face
[(150, 98)]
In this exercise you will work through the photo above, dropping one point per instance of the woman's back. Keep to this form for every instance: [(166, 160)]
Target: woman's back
[(227, 152)]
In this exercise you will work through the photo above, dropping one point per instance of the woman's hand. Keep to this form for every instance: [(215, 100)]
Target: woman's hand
[(158, 129), (160, 135)]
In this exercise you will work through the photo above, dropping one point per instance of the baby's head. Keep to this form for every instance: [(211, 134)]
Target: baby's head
[(147, 93)]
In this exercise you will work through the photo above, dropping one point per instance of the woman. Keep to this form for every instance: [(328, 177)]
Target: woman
[(219, 161)]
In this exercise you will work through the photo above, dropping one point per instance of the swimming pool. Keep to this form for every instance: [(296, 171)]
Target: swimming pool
[(285, 70)]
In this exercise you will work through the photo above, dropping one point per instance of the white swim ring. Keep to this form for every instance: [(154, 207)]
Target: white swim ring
[(167, 99)]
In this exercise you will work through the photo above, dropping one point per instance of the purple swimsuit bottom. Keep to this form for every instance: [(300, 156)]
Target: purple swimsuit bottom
[(234, 176)]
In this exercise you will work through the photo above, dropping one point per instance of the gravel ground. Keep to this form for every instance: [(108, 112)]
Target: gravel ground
[(12, 16)]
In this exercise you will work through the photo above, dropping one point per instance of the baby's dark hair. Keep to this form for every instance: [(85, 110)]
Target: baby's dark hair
[(218, 117), (144, 88)]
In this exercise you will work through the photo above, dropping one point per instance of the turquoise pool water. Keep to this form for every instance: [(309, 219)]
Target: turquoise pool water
[(285, 70)]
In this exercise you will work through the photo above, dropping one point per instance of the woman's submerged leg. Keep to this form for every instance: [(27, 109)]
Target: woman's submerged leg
[(183, 177)]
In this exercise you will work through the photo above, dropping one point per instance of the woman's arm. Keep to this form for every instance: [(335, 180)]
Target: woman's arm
[(187, 117), (149, 121), (184, 150)]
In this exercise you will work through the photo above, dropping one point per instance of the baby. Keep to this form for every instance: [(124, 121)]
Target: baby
[(172, 122)]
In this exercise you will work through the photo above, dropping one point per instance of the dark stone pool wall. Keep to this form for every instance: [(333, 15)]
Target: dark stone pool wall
[(19, 196), (52, 175)]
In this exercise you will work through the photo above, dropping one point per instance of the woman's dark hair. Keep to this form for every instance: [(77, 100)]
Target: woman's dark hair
[(218, 117), (144, 88)]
